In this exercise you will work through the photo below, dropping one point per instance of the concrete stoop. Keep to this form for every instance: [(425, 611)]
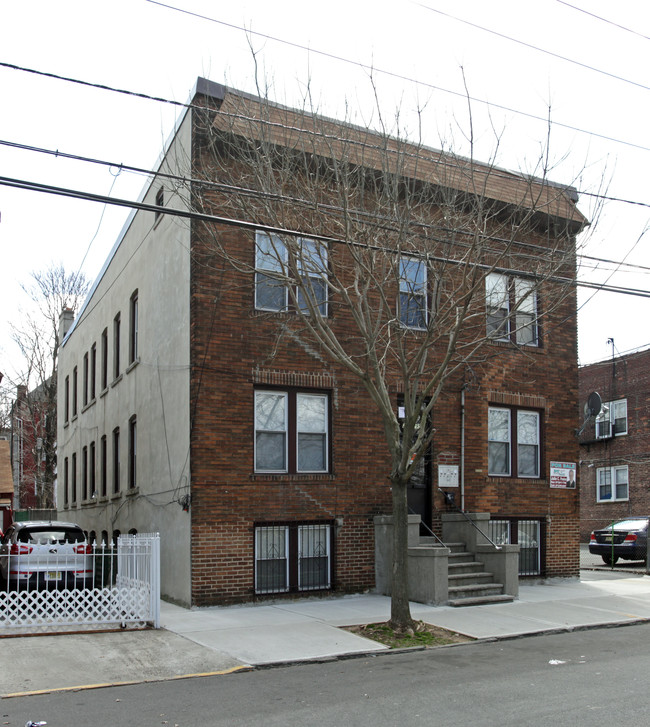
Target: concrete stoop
[(469, 583)]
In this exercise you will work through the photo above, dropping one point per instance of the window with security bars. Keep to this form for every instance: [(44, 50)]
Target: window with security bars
[(292, 557), (527, 533)]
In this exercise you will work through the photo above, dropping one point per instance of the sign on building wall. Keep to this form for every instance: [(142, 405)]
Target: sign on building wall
[(563, 475), (447, 475)]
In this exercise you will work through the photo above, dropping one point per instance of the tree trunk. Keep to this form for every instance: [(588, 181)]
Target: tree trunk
[(400, 612)]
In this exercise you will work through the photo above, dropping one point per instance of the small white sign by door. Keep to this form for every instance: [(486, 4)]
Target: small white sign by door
[(447, 475)]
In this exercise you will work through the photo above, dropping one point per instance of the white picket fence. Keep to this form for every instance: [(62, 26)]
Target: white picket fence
[(131, 597)]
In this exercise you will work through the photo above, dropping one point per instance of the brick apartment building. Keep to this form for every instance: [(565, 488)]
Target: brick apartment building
[(189, 404), (615, 445)]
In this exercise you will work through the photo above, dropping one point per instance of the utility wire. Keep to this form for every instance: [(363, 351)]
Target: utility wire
[(534, 47), (187, 181), (604, 20), (253, 226)]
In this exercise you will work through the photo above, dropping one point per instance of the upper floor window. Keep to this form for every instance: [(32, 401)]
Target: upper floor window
[(86, 372), (116, 345), (291, 431), (273, 268), (66, 403), (412, 292), (160, 202), (116, 460), (612, 419), (612, 483), (74, 391), (513, 442), (93, 371), (133, 331), (511, 309), (104, 358)]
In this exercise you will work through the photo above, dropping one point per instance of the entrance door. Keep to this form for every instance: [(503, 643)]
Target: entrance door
[(419, 492)]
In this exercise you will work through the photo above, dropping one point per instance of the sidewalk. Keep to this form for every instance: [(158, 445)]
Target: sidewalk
[(224, 639)]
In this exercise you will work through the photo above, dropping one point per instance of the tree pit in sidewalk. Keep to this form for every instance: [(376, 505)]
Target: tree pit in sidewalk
[(423, 634)]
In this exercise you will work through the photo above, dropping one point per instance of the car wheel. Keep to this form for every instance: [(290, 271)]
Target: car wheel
[(610, 560)]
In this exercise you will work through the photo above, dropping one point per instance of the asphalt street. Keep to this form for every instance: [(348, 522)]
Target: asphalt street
[(580, 678)]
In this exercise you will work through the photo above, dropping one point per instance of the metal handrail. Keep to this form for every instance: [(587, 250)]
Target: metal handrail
[(451, 502), (425, 526)]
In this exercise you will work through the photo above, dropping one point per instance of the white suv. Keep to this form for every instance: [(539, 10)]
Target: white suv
[(42, 554)]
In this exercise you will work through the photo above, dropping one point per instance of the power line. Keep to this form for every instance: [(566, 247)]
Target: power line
[(253, 226), (604, 20), (534, 47)]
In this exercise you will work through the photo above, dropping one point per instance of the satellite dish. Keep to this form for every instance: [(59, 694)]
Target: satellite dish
[(594, 404)]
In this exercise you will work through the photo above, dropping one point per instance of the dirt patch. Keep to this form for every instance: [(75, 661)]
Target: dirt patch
[(424, 634)]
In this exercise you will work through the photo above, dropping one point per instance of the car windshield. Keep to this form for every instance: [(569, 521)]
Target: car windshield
[(51, 535), (636, 524)]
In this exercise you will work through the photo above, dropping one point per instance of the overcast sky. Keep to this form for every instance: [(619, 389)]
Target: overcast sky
[(520, 63)]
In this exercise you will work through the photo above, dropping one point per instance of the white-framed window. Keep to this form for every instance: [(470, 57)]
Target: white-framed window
[(291, 431), (292, 557), (612, 484), (511, 306), (513, 442), (497, 306), (612, 419), (275, 267), (413, 292)]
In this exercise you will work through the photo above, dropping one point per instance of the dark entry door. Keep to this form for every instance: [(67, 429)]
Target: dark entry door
[(419, 491)]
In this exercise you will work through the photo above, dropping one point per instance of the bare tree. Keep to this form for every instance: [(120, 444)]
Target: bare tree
[(50, 292), (398, 262)]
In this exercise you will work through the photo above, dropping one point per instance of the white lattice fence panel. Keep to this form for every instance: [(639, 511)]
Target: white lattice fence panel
[(75, 607)]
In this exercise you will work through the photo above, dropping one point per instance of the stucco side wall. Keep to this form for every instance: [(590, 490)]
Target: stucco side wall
[(152, 258)]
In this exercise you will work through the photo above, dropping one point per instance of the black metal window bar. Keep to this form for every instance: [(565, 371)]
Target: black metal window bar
[(293, 557), (527, 533)]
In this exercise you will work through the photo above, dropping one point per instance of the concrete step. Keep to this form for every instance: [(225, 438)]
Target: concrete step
[(479, 600), (430, 540), (465, 566), (456, 547), (476, 589), (461, 558), (471, 578)]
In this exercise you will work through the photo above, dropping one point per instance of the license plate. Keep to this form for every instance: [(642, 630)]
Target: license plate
[(53, 575)]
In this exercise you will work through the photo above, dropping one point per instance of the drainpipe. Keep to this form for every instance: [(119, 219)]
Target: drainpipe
[(462, 448)]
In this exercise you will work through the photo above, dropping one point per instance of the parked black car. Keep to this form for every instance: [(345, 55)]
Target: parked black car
[(627, 539)]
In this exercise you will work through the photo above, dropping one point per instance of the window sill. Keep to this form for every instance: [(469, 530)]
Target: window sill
[(132, 365), (116, 380), (103, 392), (88, 405), (521, 347), (116, 496), (292, 477), (504, 480), (132, 491)]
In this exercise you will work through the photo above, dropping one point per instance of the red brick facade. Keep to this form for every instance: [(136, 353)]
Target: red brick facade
[(623, 378), (236, 350)]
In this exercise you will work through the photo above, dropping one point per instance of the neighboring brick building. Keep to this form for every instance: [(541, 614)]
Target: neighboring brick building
[(615, 445), (185, 408)]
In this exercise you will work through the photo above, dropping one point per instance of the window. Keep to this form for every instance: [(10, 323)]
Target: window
[(132, 452), (116, 346), (412, 292), (511, 309), (612, 419), (73, 493), (93, 371), (292, 558), (160, 202), (291, 431), (116, 460), (273, 270), (92, 469), (612, 484), (66, 403), (66, 482), (86, 371), (513, 442), (74, 391), (133, 331), (84, 474), (528, 534), (104, 359), (103, 458)]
